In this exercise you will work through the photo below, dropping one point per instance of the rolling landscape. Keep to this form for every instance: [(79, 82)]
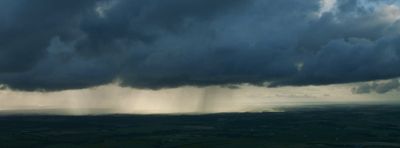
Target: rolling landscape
[(373, 126)]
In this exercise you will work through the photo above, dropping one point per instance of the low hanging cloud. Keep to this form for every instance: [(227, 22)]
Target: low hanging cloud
[(381, 88), (153, 44)]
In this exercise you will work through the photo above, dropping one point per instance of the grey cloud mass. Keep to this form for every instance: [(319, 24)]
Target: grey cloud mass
[(152, 44), (380, 88)]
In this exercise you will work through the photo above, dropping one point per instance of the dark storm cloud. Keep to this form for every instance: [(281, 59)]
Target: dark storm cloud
[(27, 27), (49, 45)]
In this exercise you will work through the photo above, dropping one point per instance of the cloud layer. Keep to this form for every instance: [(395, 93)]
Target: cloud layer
[(380, 88), (153, 44)]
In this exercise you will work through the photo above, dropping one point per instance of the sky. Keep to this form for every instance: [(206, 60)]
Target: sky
[(179, 56)]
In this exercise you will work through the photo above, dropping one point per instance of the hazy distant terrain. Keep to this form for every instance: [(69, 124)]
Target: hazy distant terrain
[(329, 126)]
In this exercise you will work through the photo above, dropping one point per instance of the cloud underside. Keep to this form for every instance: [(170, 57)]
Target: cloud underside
[(380, 88), (153, 44)]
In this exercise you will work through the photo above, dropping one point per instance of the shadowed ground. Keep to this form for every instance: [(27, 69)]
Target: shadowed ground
[(324, 126)]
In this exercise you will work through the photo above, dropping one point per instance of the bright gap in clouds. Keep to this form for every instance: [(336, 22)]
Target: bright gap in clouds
[(326, 6), (110, 99)]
